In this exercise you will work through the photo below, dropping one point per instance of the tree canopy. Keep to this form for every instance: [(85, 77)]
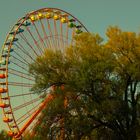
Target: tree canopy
[(96, 88), (4, 135)]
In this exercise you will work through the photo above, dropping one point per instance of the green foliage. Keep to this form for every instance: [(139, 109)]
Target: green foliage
[(4, 135), (101, 88)]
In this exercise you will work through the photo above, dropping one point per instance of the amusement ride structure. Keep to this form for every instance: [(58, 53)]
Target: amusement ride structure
[(29, 37)]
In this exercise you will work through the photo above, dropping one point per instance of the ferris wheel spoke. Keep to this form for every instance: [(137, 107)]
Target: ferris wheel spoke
[(27, 42), (45, 35), (19, 60), (60, 40), (56, 34), (20, 47), (36, 113), (20, 84), (67, 34), (73, 34), (25, 104), (23, 94), (27, 114), (61, 34), (26, 117), (40, 38), (35, 42), (31, 47), (23, 59), (37, 122), (20, 66), (20, 75), (50, 33), (17, 71), (30, 131)]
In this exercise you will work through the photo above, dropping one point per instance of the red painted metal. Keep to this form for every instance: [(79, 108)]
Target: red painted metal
[(3, 105), (42, 106), (3, 90), (2, 76)]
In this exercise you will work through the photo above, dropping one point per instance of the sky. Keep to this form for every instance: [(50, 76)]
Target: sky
[(96, 15)]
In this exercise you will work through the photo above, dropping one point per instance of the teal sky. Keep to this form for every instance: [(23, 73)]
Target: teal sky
[(96, 15)]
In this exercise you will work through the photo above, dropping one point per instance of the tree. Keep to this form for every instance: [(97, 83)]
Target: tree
[(101, 87), (4, 135)]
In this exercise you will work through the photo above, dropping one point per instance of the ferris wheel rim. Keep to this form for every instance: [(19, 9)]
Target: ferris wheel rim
[(21, 21)]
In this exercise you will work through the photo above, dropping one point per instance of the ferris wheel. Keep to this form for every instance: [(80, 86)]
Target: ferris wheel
[(44, 28)]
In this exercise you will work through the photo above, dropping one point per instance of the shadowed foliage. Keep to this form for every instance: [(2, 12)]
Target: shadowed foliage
[(100, 98)]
